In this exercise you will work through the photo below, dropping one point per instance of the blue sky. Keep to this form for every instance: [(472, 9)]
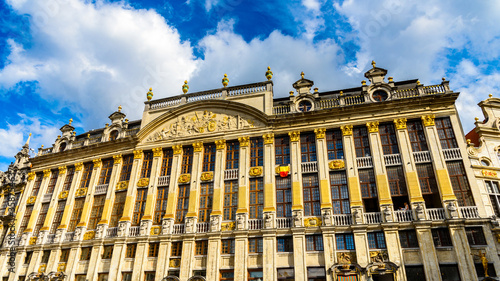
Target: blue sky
[(62, 59)]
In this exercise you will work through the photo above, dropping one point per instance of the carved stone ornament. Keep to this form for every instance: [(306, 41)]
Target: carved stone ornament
[(31, 200), (472, 151), (143, 228), (122, 185), (419, 210), (99, 231), (89, 235), (220, 144), (97, 162), (157, 152), (175, 263), (122, 228), (346, 130), (312, 222), (155, 230), (297, 218), (190, 222), (227, 226), (177, 149), (214, 223), (166, 225), (62, 170), (327, 217), (63, 194), (199, 123), (240, 221), (117, 159), (58, 235), (184, 178), (372, 127), (143, 182), (138, 154), (244, 141), (255, 171), (452, 210), (31, 176), (78, 232), (387, 214), (207, 176), (379, 256), (268, 220), (198, 146), (46, 173), (33, 240), (428, 120), (336, 164), (79, 166), (294, 136), (268, 138), (346, 257), (81, 192), (61, 267), (320, 133), (400, 123), (42, 268)]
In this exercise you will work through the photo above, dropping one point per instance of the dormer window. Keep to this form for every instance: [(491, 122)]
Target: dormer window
[(304, 106), (379, 95), (62, 147), (113, 135)]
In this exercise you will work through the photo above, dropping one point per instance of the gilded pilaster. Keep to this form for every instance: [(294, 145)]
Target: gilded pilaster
[(351, 169), (243, 182), (220, 166), (269, 172), (174, 176), (323, 170), (71, 199), (53, 203), (38, 202), (195, 180), (152, 189), (110, 195), (132, 190), (295, 171), (87, 206)]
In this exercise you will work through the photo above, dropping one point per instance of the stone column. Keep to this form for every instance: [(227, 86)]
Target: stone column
[(462, 250), (491, 250), (187, 259), (384, 192), (323, 172), (103, 224), (147, 219), (269, 183), (168, 219), (361, 243), (394, 249), (329, 250), (19, 260), (299, 254), (36, 208), (89, 200), (218, 196), (74, 257), (440, 168), (140, 259), (243, 185), (296, 174), (53, 259), (21, 206), (36, 258), (409, 167), (52, 206), (68, 209), (117, 259), (428, 251), (192, 214), (213, 258), (95, 260), (162, 264), (241, 255), (352, 174), (128, 209)]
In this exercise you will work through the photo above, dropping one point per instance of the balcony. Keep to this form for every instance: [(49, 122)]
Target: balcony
[(163, 181), (452, 154), (392, 159), (178, 228), (342, 220), (112, 232), (364, 162), (469, 212), (50, 238), (231, 174), (422, 157), (202, 227), (254, 224), (404, 215), (373, 218), (133, 231), (309, 167), (101, 189), (46, 197), (284, 222), (68, 237), (435, 214)]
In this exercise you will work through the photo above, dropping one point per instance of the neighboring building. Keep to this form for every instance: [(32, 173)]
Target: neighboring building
[(368, 183)]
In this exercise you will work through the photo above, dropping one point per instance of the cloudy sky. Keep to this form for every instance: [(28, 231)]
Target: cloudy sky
[(62, 59)]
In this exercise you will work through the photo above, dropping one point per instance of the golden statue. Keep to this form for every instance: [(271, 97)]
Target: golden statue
[(484, 261)]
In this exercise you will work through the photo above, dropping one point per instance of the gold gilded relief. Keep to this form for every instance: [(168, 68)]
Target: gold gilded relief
[(143, 182), (400, 123), (312, 222), (346, 130), (220, 144), (255, 171), (81, 192), (320, 133), (89, 235), (184, 178), (31, 200), (268, 138), (46, 173), (198, 146), (138, 154), (78, 166), (117, 159), (31, 176), (372, 127), (336, 164), (97, 162), (428, 120), (62, 170), (177, 149), (227, 226), (63, 194), (294, 136), (122, 185), (244, 141), (207, 176)]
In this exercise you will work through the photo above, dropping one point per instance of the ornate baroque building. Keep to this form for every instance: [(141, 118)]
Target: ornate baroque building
[(367, 183)]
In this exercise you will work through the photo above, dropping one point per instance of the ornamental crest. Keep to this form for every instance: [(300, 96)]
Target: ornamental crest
[(400, 123), (31, 200), (227, 226), (175, 263), (346, 130), (61, 267), (207, 176), (255, 171), (143, 182), (428, 120), (184, 178), (32, 240), (312, 222), (199, 123), (122, 185), (336, 164), (89, 235), (372, 127), (63, 194), (81, 192), (155, 230)]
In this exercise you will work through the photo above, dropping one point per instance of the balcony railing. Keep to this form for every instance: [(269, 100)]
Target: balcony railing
[(435, 214), (342, 220), (404, 215), (101, 189), (178, 228), (68, 237), (452, 154), (364, 162), (202, 227), (422, 157), (134, 231), (50, 238), (469, 212), (163, 181), (46, 197), (392, 159), (373, 218), (284, 222), (231, 174), (255, 224), (309, 167), (281, 109), (112, 232)]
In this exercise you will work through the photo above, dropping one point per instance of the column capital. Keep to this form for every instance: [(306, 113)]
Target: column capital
[(294, 136), (117, 159), (372, 127), (97, 162), (320, 133), (31, 176), (400, 123), (177, 149), (244, 141), (138, 154), (46, 173), (428, 120), (220, 144), (346, 130), (157, 152), (62, 170), (78, 166), (268, 138), (198, 146)]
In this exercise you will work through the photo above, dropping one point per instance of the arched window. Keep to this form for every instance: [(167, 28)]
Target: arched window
[(62, 147), (113, 135)]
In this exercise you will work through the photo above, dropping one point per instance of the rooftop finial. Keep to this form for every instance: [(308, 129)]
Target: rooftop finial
[(373, 63), (302, 74), (28, 140), (70, 121), (269, 73), (120, 108), (490, 95), (225, 81), (149, 95), (185, 87)]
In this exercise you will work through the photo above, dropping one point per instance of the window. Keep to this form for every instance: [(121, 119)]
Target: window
[(417, 135), (415, 272), (27, 258), (361, 143), (187, 160), (87, 174), (256, 198), (308, 148), (316, 274), (256, 152), (480, 270), (107, 252), (445, 133), (166, 164), (227, 246), (96, 212), (255, 245), (475, 236), (201, 247), (376, 240), (38, 183), (41, 218), (126, 276), (161, 205), (153, 249), (232, 155), (76, 214), (128, 161), (408, 238), (52, 182), (282, 150), (182, 203), (176, 249), (460, 183), (230, 199), (70, 174), (304, 106), (26, 218), (286, 274), (426, 178), (379, 95), (106, 170), (57, 216), (130, 252), (284, 244), (255, 274), (113, 135), (227, 275), (368, 189), (206, 191), (149, 276), (314, 243), (209, 152), (441, 237), (388, 139), (340, 193), (334, 144), (494, 191), (283, 197), (86, 252), (311, 195), (140, 205), (344, 241), (102, 277), (118, 206), (397, 182), (449, 272), (147, 163)]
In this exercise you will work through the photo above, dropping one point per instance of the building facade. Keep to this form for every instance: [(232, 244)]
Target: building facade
[(367, 183)]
